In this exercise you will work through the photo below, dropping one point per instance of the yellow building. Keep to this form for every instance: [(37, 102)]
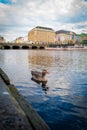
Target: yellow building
[(41, 35), (19, 40), (84, 38)]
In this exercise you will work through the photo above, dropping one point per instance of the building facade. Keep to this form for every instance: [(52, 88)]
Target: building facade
[(2, 40), (65, 37), (21, 40), (78, 39), (41, 35), (84, 38)]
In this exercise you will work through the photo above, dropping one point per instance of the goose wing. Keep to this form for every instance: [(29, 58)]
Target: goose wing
[(36, 73)]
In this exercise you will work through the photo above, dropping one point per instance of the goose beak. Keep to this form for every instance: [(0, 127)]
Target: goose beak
[(47, 72)]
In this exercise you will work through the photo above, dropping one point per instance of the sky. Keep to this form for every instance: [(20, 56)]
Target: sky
[(18, 17)]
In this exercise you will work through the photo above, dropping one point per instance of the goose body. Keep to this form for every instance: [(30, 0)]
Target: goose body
[(39, 77)]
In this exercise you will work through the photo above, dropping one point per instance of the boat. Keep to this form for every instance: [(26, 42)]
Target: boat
[(55, 48), (67, 48), (39, 77)]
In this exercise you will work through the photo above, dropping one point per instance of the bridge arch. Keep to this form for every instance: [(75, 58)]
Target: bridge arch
[(41, 47), (34, 47), (25, 47), (6, 47), (15, 47)]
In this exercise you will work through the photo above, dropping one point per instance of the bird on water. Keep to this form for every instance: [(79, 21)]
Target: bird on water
[(39, 77)]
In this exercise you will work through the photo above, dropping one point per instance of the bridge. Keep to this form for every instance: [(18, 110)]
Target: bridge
[(22, 46), (31, 45)]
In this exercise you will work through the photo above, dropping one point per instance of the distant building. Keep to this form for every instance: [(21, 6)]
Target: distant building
[(41, 35), (65, 37), (21, 40), (78, 39), (2, 40), (84, 38)]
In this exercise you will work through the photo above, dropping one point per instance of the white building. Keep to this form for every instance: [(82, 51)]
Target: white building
[(22, 39), (65, 37)]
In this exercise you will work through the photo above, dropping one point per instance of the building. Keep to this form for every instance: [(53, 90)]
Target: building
[(65, 37), (21, 40), (78, 39), (41, 35), (2, 40), (84, 38)]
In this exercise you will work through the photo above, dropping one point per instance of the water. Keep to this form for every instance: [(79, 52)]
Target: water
[(63, 105)]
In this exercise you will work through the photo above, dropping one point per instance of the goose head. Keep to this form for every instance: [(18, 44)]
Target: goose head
[(44, 72)]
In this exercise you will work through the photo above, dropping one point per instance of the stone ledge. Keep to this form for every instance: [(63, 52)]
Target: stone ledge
[(33, 117), (4, 77), (35, 120)]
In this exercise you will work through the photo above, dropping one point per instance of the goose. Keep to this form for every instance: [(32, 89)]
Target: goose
[(39, 77)]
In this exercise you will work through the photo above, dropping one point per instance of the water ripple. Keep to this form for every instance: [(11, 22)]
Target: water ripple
[(64, 105)]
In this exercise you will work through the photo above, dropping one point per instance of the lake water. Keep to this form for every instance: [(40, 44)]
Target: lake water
[(63, 105)]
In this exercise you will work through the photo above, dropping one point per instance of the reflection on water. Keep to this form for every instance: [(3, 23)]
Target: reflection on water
[(40, 59), (64, 104)]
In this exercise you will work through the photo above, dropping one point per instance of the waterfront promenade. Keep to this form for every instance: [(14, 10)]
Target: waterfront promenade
[(15, 112)]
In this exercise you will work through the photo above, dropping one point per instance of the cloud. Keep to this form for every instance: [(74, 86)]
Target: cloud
[(18, 16)]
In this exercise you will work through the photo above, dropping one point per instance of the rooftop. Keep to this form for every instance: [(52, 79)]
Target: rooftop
[(64, 31), (1, 37), (46, 28)]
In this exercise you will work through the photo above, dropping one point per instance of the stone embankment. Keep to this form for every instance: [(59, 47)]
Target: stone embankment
[(15, 112)]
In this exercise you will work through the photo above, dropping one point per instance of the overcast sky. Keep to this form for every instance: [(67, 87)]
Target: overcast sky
[(17, 17)]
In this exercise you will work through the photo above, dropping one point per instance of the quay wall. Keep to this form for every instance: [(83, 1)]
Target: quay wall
[(36, 121)]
